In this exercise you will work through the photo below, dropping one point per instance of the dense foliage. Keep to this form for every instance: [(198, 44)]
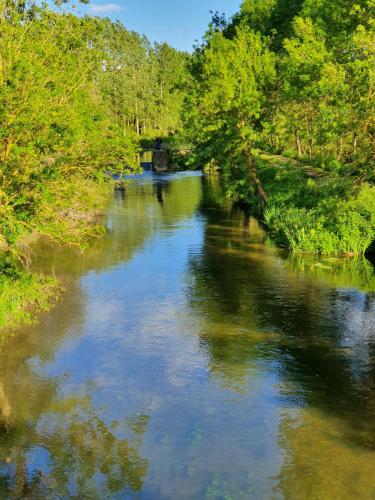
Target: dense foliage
[(297, 79), (75, 93), (76, 96)]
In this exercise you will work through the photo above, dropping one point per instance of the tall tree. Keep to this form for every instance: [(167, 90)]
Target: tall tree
[(230, 99)]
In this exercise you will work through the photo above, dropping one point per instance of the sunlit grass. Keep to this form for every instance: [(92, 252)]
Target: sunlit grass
[(328, 216)]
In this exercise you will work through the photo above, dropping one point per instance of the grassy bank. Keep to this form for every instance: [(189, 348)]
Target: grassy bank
[(310, 211), (69, 213)]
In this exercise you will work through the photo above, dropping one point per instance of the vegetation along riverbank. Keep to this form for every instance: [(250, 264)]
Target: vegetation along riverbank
[(73, 107), (295, 79), (279, 98)]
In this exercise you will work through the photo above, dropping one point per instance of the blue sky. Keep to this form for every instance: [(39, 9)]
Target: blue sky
[(178, 22)]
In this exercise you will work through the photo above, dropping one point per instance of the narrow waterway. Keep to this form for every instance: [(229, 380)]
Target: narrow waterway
[(191, 359)]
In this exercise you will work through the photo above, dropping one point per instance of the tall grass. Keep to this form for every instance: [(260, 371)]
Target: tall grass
[(327, 215)]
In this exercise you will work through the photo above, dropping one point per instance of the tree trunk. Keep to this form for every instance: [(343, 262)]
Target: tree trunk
[(251, 166), (124, 126), (309, 124), (136, 124), (273, 142), (136, 116), (298, 143)]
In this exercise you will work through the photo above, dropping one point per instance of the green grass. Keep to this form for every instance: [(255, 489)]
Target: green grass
[(309, 210), (327, 215)]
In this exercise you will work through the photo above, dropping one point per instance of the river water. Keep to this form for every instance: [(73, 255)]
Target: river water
[(191, 359)]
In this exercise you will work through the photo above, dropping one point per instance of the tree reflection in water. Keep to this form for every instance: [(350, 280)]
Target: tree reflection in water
[(311, 323), (262, 357), (54, 440), (55, 445)]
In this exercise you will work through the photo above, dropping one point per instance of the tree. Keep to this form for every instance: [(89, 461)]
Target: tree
[(235, 77), (75, 95)]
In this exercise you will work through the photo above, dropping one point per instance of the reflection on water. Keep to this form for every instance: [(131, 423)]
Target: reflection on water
[(189, 358)]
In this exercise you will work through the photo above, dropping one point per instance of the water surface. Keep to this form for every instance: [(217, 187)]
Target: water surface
[(190, 358)]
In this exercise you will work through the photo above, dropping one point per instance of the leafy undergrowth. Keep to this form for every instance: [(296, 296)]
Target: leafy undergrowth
[(23, 297), (328, 215), (68, 213)]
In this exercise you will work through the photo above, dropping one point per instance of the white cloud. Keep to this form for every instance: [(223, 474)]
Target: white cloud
[(105, 8)]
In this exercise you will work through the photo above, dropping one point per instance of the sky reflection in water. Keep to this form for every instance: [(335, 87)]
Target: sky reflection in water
[(189, 358)]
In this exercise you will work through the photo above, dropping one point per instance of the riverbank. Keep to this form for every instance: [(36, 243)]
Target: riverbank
[(310, 211), (69, 213), (295, 215)]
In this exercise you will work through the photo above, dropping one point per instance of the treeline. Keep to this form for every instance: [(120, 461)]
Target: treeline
[(295, 78), (77, 94)]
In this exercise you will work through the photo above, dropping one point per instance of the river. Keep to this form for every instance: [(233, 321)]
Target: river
[(191, 359)]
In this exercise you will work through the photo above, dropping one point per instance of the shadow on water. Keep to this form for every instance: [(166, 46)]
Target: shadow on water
[(314, 318), (55, 441), (189, 354)]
